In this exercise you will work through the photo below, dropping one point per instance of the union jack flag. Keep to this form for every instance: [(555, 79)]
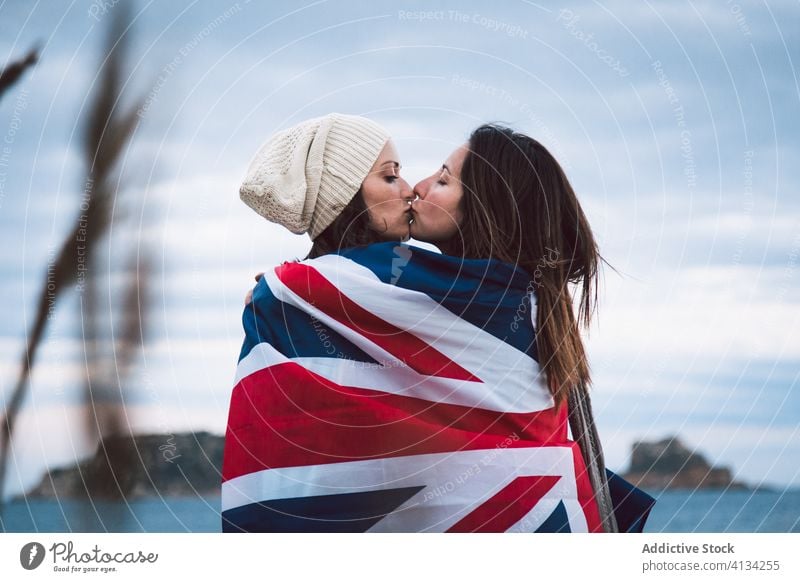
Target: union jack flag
[(390, 388)]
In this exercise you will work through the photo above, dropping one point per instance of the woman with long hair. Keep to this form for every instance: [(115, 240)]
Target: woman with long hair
[(502, 195)]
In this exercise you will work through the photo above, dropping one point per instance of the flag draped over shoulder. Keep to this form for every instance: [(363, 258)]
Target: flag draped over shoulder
[(389, 388)]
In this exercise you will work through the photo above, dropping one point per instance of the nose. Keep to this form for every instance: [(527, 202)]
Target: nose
[(407, 193), (421, 189)]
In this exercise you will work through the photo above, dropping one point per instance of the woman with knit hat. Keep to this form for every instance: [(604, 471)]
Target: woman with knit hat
[(335, 177)]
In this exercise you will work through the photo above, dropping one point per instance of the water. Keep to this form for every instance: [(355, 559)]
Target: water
[(168, 514), (725, 511), (675, 511)]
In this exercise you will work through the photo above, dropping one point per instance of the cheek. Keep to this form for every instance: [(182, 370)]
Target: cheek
[(447, 201), (457, 207), (380, 195)]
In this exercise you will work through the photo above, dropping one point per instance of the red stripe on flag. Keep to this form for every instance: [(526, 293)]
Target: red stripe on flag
[(287, 416), (507, 506), (314, 288)]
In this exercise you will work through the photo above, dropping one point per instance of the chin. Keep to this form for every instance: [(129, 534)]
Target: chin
[(395, 234), (418, 234)]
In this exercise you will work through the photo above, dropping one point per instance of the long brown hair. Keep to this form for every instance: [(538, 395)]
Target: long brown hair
[(520, 208), (352, 228)]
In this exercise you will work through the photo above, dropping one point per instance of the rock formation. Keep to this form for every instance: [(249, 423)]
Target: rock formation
[(144, 465), (669, 464)]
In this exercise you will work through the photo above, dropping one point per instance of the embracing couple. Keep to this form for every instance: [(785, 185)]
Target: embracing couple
[(385, 387)]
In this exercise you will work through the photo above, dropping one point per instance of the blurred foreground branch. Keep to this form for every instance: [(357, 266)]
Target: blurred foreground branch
[(13, 72), (107, 133)]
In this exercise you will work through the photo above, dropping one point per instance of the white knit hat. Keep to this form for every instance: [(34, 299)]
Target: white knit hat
[(304, 176)]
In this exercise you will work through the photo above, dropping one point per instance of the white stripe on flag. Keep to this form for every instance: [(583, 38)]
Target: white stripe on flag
[(455, 484), (509, 376), (398, 379)]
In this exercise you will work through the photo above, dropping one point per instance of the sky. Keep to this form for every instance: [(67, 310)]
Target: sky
[(676, 122)]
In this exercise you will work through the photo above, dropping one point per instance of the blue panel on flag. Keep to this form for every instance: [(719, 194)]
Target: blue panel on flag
[(558, 522), (631, 505), (292, 332), (347, 512)]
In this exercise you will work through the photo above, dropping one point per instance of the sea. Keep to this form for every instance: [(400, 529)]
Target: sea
[(706, 511)]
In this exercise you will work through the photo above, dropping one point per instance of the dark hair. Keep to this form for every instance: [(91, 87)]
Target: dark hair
[(519, 207), (351, 228)]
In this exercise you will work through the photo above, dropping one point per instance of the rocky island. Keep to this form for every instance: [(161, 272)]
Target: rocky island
[(669, 464), (140, 466)]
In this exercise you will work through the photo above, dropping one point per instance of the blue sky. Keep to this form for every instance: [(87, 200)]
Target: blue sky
[(676, 122)]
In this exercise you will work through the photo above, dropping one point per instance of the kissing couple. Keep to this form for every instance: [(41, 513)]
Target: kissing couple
[(386, 387)]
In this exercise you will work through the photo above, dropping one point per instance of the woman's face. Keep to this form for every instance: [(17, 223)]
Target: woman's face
[(387, 196), (436, 212)]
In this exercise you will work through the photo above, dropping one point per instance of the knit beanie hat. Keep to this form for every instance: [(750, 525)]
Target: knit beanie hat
[(304, 176)]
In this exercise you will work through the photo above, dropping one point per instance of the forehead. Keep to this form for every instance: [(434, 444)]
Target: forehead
[(389, 152), (456, 157)]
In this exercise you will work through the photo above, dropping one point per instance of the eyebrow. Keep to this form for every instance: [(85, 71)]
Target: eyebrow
[(395, 164), (444, 167)]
